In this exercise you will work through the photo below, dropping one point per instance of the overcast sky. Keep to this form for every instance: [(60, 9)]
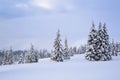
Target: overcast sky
[(23, 22)]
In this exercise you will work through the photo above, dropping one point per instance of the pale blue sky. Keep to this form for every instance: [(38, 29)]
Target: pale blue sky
[(36, 21)]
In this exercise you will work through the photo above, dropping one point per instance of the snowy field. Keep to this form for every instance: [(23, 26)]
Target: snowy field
[(77, 68)]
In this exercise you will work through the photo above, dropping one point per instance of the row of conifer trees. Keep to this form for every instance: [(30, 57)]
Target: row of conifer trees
[(98, 48)]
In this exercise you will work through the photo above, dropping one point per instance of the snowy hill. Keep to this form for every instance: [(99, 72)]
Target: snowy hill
[(77, 68)]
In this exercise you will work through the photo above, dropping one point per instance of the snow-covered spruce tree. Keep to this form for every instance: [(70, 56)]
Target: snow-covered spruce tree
[(113, 49), (10, 52), (81, 49), (66, 50), (117, 48), (103, 52), (106, 45), (8, 57), (32, 56), (57, 54), (91, 51), (1, 56), (5, 58), (74, 50), (21, 59), (100, 37), (71, 52)]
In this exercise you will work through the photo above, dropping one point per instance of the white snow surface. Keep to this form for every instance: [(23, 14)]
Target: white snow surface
[(77, 68)]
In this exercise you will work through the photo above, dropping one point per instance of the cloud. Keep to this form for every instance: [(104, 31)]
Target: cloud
[(53, 4), (22, 6), (12, 9), (46, 4)]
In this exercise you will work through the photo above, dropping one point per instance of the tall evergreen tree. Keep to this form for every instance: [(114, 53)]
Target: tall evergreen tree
[(5, 58), (8, 57), (71, 51), (21, 59), (92, 44), (32, 56), (57, 52), (113, 49), (103, 43), (117, 48), (100, 37), (10, 52), (66, 51), (106, 44), (81, 49)]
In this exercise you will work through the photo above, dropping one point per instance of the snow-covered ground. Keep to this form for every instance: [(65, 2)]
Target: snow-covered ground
[(77, 68)]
